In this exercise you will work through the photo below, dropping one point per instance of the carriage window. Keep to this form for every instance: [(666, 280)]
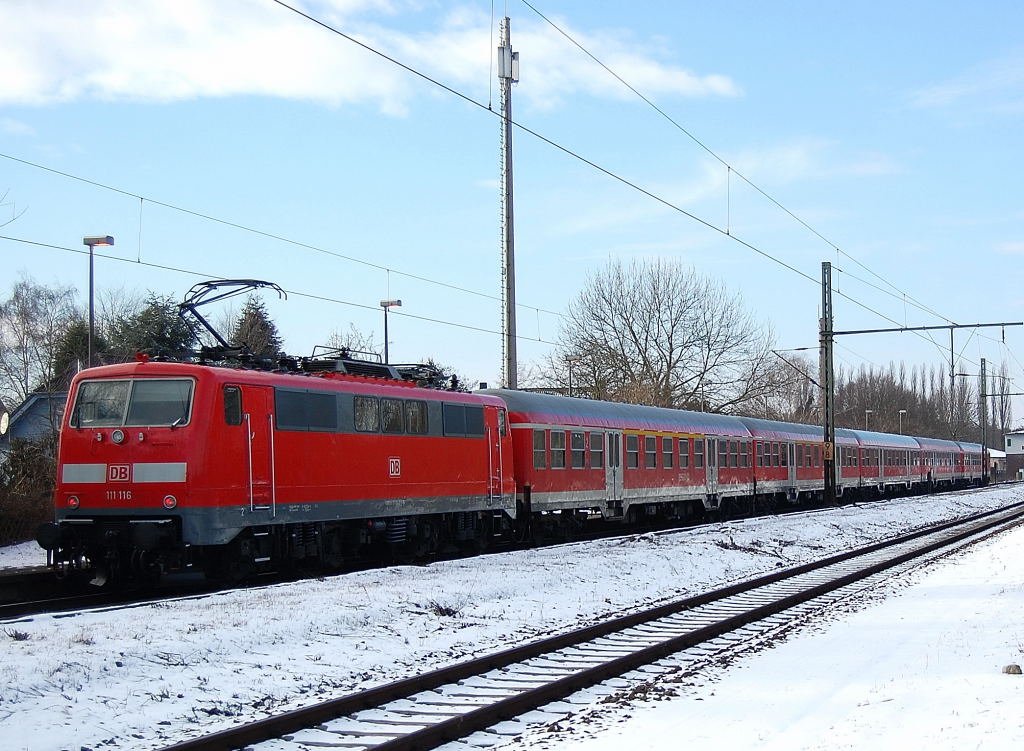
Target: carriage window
[(557, 449), (650, 452), (416, 417), (632, 451), (366, 414), (540, 454), (596, 450), (232, 405), (799, 455), (744, 453), (684, 453), (760, 453), (723, 453), (391, 415), (817, 456), (775, 455), (784, 454), (502, 423), (698, 453), (579, 453), (668, 450)]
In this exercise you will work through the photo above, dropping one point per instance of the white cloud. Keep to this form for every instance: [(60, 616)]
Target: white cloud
[(1000, 81), (14, 127), (152, 50), (1010, 248)]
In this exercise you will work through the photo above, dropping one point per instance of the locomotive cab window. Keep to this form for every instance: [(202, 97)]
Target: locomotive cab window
[(143, 402), (232, 405)]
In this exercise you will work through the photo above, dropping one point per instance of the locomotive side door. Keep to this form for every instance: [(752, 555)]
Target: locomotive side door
[(613, 467), (258, 417), (497, 429)]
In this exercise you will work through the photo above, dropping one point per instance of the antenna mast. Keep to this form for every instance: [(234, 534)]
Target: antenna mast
[(508, 73)]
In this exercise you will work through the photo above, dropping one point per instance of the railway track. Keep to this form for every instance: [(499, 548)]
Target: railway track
[(35, 590), (479, 701)]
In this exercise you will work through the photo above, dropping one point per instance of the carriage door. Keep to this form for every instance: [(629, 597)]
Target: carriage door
[(711, 458), (791, 450), (258, 417), (613, 467)]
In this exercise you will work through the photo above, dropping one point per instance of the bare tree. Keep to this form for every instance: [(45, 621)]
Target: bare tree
[(32, 322), (658, 333), (9, 217), (1002, 406), (353, 339)]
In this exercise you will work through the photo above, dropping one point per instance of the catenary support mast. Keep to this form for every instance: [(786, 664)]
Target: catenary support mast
[(508, 73)]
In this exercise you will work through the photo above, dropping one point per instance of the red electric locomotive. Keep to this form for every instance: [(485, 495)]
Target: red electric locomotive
[(165, 466)]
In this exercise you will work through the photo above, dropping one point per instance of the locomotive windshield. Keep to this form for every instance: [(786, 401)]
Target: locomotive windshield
[(142, 402)]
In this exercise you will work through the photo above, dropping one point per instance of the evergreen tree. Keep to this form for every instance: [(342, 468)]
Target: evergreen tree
[(156, 328), (256, 331), (71, 354)]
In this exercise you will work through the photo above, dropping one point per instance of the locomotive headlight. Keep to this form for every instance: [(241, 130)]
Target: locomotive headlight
[(73, 501), (170, 502), (117, 436)]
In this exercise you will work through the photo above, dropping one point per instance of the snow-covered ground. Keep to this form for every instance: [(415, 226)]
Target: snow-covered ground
[(143, 677), (22, 556)]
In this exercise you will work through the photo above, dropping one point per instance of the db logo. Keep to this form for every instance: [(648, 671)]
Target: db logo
[(394, 466), (119, 472)]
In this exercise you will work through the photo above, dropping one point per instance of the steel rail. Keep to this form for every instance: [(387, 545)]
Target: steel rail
[(308, 717)]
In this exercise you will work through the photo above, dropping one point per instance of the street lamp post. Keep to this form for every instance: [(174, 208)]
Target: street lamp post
[(866, 413), (902, 412), (386, 304), (92, 242)]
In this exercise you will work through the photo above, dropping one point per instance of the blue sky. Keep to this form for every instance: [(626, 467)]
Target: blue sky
[(891, 129)]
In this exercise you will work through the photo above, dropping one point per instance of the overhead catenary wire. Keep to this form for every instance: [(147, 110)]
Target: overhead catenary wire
[(292, 292), (264, 233), (730, 169), (615, 176), (726, 231)]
